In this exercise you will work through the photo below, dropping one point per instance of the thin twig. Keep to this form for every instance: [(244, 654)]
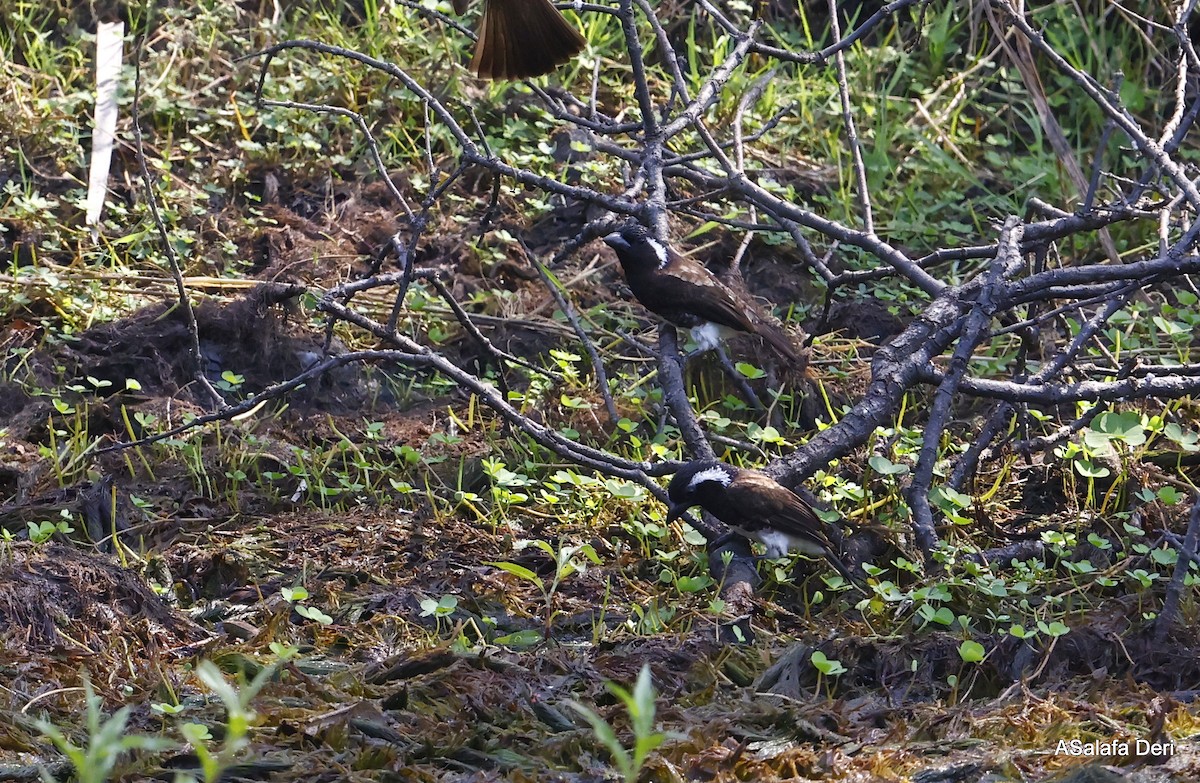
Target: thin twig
[(185, 302), (564, 304), (1007, 261), (670, 376), (860, 169), (1162, 624)]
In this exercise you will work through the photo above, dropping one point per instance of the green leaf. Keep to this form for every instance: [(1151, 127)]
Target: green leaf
[(885, 467), (1089, 469), (949, 500), (293, 594), (575, 403), (608, 738), (526, 638), (765, 434), (195, 733), (641, 706), (519, 571), (941, 616), (1125, 426), (1170, 328), (283, 651), (1053, 629), (1169, 495), (314, 614), (827, 666), (212, 678), (167, 709), (971, 651), (625, 490), (693, 584), (1165, 557), (1185, 439), (749, 371)]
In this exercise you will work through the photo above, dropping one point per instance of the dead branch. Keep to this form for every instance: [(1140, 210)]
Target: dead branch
[(682, 163)]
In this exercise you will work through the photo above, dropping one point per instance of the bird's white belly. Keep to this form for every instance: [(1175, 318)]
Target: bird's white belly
[(709, 335), (778, 544)]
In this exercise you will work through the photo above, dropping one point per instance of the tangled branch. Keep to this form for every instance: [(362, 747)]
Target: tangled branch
[(682, 166)]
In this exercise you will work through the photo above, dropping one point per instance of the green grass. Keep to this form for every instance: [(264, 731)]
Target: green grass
[(952, 145)]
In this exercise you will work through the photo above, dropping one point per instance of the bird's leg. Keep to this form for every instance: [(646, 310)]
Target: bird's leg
[(856, 582), (793, 566), (728, 536)]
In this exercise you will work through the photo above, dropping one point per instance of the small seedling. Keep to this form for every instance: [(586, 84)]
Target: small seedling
[(640, 706), (107, 741)]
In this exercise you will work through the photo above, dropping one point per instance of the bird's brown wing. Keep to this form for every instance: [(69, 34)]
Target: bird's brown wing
[(783, 510), (730, 307), (706, 296), (777, 507)]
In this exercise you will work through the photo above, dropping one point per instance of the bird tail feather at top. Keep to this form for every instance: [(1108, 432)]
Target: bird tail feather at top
[(519, 39)]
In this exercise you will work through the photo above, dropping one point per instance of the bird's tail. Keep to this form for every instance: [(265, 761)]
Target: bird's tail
[(840, 566), (781, 343), (519, 39)]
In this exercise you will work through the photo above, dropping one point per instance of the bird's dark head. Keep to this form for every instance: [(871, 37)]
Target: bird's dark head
[(692, 480), (637, 249)]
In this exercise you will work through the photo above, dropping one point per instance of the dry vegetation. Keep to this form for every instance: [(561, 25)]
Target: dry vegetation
[(419, 523)]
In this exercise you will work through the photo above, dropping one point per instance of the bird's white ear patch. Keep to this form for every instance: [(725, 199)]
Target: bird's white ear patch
[(659, 251), (719, 475)]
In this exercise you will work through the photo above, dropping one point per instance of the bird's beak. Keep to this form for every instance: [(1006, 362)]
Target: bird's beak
[(616, 241), (675, 511)]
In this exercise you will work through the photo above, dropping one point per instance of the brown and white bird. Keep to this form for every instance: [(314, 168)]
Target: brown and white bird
[(756, 506), (520, 39), (684, 292)]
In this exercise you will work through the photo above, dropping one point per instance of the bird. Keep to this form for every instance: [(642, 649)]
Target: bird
[(755, 506), (684, 292), (520, 39)]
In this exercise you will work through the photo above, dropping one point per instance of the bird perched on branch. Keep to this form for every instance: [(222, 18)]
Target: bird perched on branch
[(519, 39), (756, 506), (684, 292)]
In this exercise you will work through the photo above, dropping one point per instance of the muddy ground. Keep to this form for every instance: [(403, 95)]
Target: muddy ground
[(382, 691)]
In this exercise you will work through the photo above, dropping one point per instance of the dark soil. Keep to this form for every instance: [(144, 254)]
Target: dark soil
[(382, 692)]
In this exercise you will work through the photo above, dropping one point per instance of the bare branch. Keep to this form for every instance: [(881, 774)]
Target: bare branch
[(1162, 624), (860, 170), (1006, 263), (564, 304), (185, 303)]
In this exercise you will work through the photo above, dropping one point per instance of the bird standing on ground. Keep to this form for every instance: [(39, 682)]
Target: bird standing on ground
[(519, 39), (756, 506), (684, 292)]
